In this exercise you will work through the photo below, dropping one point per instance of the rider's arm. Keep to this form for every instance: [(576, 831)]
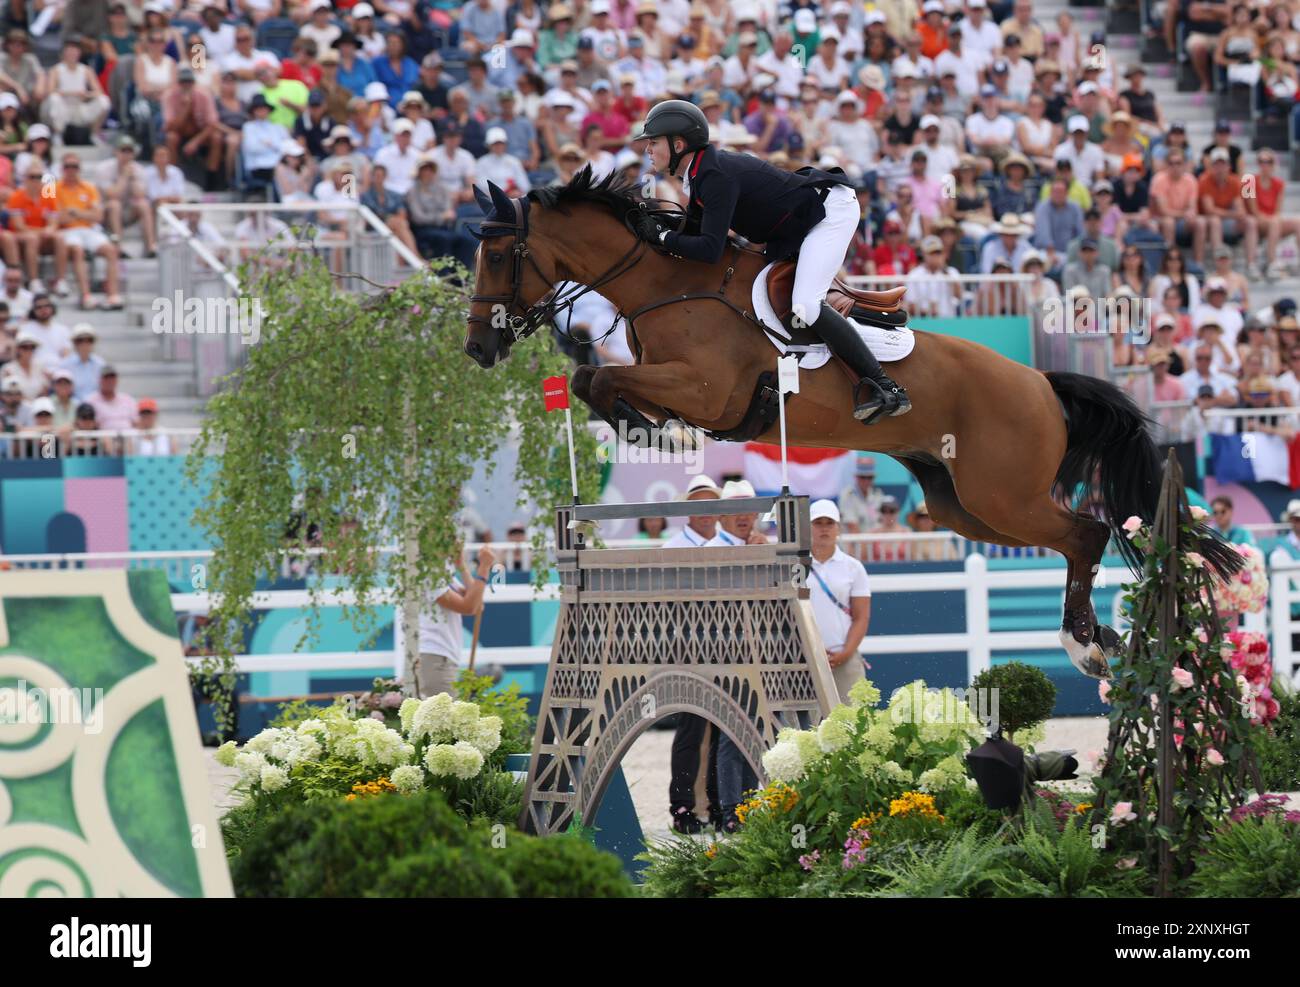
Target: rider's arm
[(719, 198)]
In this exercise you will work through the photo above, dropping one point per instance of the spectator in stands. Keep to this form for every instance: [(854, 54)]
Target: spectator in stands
[(163, 181), (21, 72), (1164, 330), (27, 368), (16, 299), (1140, 103), (12, 411), (521, 135), (1011, 243), (217, 34), (114, 410), (933, 289), (63, 405), (399, 158), (190, 123), (1165, 387), (969, 205), (150, 441), (261, 140), (84, 364), (860, 503), (431, 208), (31, 215), (1288, 382), (414, 109), (1086, 159), (80, 215), (1209, 387), (155, 73), (1173, 274), (389, 207), (335, 95), (75, 98), (891, 550), (1224, 207), (295, 175), (1087, 272), (1237, 287), (501, 167), (1266, 209), (1256, 340), (320, 27), (52, 337), (1132, 273), (121, 181), (1175, 205), (1013, 192), (894, 256), (990, 131), (482, 25), (1217, 309), (362, 23), (1042, 288), (395, 69), (89, 445), (1226, 358), (355, 72), (312, 128), (455, 164)]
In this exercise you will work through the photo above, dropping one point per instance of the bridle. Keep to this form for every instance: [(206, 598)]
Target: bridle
[(523, 320)]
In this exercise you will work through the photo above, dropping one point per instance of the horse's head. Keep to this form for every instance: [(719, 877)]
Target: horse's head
[(508, 285)]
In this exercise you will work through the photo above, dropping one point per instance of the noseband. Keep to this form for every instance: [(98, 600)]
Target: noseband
[(523, 320)]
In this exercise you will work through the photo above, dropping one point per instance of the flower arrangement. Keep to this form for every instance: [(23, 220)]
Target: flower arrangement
[(1245, 591), (1248, 654), (335, 752)]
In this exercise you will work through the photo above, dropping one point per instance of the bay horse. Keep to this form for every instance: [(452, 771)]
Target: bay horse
[(1000, 449)]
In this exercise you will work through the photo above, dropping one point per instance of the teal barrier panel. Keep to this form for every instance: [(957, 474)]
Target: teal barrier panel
[(1010, 335)]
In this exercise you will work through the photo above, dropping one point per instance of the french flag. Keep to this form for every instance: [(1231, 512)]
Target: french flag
[(813, 472), (1250, 457)]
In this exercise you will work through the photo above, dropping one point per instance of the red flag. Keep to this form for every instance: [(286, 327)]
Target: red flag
[(555, 391)]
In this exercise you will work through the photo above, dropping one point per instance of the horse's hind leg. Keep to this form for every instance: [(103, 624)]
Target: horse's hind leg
[(667, 390), (628, 422), (946, 507)]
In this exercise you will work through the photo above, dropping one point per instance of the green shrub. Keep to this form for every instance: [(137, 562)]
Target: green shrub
[(564, 867), (507, 703), (1048, 861), (678, 868), (961, 867), (1025, 696), (1254, 858), (1277, 746), (410, 846)]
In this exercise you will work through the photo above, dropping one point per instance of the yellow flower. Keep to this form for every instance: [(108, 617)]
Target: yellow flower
[(712, 851), (915, 803), (1083, 807)]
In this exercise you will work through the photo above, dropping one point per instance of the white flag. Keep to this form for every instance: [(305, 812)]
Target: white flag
[(787, 374)]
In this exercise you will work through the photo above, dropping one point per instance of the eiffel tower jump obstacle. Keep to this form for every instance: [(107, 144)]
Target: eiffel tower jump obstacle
[(723, 633)]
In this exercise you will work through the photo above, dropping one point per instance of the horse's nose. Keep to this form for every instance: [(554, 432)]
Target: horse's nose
[(473, 350)]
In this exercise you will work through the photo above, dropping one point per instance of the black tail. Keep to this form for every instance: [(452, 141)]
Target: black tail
[(1109, 436)]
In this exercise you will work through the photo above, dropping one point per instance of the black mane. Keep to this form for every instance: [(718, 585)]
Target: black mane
[(614, 191)]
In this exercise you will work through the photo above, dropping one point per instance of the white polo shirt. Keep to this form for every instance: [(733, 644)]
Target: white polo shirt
[(845, 579), (686, 537), (723, 539)]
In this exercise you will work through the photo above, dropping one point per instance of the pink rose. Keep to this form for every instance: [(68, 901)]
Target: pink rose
[(1103, 690), (1122, 813), (1182, 678), (1213, 756)]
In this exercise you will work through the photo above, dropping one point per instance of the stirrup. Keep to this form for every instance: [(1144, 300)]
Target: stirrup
[(883, 403)]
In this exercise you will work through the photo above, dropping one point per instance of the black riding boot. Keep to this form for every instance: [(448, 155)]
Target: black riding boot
[(883, 397)]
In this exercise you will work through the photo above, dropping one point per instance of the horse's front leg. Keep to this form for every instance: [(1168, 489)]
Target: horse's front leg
[(625, 418), (664, 390)]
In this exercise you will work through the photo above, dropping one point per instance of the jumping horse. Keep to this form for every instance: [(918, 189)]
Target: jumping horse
[(1001, 450)]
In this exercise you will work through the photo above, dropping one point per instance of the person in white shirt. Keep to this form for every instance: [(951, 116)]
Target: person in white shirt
[(827, 67), (455, 164), (928, 291), (1209, 388), (690, 738), (978, 32), (841, 598), (853, 134), (501, 168), (53, 339), (735, 776), (1087, 159), (607, 41), (243, 62), (851, 41), (1288, 382), (1216, 309), (320, 26), (163, 181), (990, 131), (18, 298), (150, 442), (440, 628), (779, 62), (941, 159), (27, 368), (965, 64), (400, 158), (218, 37), (413, 108)]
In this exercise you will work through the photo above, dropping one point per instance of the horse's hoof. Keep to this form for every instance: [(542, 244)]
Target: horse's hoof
[(1112, 645), (1087, 657)]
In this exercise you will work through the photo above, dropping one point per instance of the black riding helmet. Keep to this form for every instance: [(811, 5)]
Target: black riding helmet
[(677, 118)]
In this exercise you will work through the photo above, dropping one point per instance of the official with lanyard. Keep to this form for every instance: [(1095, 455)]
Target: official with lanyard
[(841, 598), (692, 743), (811, 213)]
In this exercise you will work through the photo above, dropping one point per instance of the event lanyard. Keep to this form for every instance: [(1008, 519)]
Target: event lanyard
[(834, 599)]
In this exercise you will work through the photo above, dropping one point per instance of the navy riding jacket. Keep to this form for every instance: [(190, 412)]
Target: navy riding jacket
[(761, 202)]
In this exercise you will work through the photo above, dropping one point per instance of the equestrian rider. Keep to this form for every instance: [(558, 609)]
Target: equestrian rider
[(809, 212)]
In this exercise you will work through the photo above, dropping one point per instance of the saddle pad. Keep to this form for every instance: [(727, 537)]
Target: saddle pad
[(888, 345)]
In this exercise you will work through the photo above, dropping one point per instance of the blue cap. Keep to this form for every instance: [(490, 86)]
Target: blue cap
[(988, 89)]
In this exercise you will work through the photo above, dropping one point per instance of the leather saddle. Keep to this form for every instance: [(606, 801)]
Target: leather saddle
[(881, 308)]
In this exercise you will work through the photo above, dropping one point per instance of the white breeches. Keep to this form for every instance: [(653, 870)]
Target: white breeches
[(822, 254)]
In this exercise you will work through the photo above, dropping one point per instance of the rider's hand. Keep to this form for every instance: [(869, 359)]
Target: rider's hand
[(646, 226), (485, 559)]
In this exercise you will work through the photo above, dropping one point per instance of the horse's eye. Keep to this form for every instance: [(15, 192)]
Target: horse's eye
[(495, 257)]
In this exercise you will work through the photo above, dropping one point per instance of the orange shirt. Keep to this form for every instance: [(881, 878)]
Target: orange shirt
[(34, 211), (932, 41), (83, 195), (1223, 195)]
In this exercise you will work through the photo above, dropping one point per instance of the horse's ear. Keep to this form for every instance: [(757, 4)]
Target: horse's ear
[(483, 199), (501, 203)]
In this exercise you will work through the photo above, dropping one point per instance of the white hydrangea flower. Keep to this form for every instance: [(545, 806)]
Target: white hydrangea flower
[(408, 778), (467, 762), (250, 764), (864, 693), (896, 772), (273, 778), (833, 735), (880, 735), (869, 763), (225, 755), (432, 719), (372, 743), (463, 720), (406, 713), (440, 759), (784, 762), (264, 741), (487, 734)]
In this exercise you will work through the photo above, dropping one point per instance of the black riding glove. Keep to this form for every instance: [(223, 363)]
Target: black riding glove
[(646, 226)]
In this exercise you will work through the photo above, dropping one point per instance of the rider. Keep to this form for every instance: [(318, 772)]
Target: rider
[(809, 212)]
